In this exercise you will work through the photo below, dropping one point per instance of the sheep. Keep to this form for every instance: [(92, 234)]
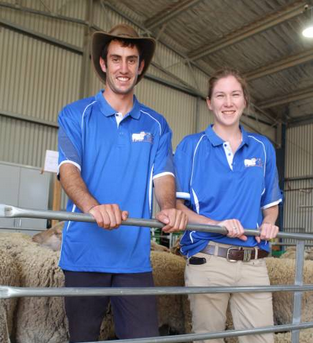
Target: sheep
[(158, 247), (168, 270), (306, 336), (282, 271), (291, 253), (9, 276), (38, 267), (42, 319), (170, 267), (52, 238)]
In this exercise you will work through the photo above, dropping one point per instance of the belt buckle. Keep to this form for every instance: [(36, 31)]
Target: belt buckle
[(227, 255), (247, 255)]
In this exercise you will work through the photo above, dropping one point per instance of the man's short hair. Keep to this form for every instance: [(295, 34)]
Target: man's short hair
[(125, 44)]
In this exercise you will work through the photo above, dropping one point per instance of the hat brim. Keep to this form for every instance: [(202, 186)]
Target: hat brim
[(99, 39)]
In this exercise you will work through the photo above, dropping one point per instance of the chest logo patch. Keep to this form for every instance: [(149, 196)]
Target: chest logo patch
[(253, 162), (142, 137)]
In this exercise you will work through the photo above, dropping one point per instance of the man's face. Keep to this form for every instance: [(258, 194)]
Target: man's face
[(122, 68)]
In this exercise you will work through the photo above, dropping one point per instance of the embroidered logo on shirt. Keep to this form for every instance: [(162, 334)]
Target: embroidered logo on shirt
[(253, 162), (142, 137)]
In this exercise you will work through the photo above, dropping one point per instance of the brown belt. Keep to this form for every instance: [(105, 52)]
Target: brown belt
[(234, 254)]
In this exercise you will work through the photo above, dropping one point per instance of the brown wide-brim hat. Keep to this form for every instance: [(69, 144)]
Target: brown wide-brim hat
[(124, 32)]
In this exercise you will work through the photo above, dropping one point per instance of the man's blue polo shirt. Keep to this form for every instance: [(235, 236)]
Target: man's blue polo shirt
[(118, 161), (226, 186)]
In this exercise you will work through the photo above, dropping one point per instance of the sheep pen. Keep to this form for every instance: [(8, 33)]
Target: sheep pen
[(42, 319), (9, 274)]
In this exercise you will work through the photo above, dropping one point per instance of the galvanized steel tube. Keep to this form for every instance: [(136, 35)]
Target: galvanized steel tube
[(216, 335), (16, 212), (16, 292)]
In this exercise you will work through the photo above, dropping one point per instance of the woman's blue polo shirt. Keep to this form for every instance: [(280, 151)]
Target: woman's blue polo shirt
[(225, 186), (118, 161)]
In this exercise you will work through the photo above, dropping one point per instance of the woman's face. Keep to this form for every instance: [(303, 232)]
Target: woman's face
[(227, 102)]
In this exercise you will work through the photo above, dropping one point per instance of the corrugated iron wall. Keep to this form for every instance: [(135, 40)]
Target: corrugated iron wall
[(179, 109), (65, 31), (38, 77), (25, 143), (298, 188), (299, 145), (36, 80)]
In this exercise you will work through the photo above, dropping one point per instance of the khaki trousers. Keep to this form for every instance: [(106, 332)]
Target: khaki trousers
[(249, 310)]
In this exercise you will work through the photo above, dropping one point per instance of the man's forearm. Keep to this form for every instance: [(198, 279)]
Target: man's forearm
[(75, 187), (270, 215), (165, 191)]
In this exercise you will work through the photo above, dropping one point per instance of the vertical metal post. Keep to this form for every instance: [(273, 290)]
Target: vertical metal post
[(297, 304), (85, 69), (197, 114), (280, 160)]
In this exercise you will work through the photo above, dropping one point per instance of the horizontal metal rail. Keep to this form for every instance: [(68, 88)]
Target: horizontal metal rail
[(20, 228), (8, 211), (290, 244), (16, 292), (216, 335)]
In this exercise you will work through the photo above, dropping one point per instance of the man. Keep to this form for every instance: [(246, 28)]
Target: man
[(112, 150)]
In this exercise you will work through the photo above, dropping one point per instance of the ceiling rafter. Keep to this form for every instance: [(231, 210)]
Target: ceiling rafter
[(42, 13), (150, 34), (41, 36), (183, 86), (45, 6), (247, 31), (281, 64), (195, 64), (63, 5), (306, 119), (169, 14), (300, 94)]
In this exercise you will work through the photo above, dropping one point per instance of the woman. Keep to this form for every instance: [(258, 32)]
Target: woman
[(230, 179)]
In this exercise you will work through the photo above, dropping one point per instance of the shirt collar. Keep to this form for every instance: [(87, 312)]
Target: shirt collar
[(213, 137), (245, 138), (216, 140), (108, 111), (135, 111)]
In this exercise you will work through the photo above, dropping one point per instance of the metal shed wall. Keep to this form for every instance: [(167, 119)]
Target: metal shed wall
[(39, 76), (298, 188), (64, 31), (36, 80), (178, 108), (25, 143)]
